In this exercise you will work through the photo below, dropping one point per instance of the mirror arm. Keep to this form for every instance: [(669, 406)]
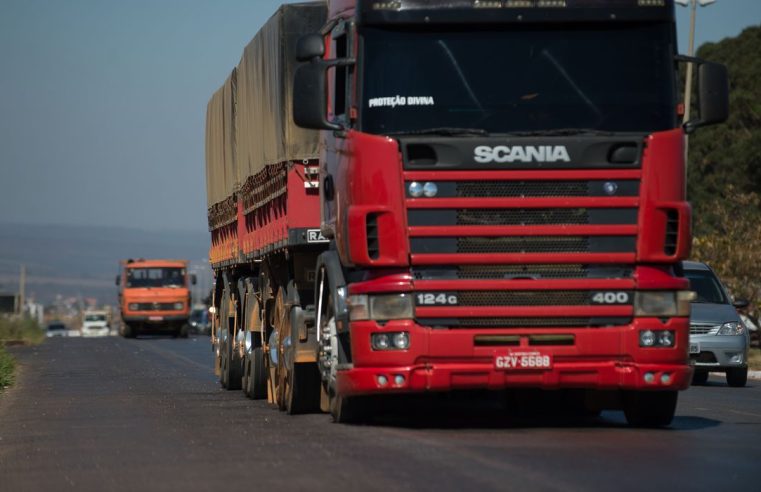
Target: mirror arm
[(338, 129)]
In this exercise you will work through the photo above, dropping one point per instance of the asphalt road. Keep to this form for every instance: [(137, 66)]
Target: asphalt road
[(148, 414)]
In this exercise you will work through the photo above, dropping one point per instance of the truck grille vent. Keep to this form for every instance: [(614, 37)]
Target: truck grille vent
[(158, 306), (539, 244), (672, 232), (498, 272), (522, 322), (500, 216), (467, 189), (373, 250), (526, 298)]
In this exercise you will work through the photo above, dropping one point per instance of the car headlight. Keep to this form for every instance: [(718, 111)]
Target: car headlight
[(731, 328), (133, 307), (380, 307), (663, 303)]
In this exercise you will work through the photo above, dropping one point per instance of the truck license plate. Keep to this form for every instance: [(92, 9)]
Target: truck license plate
[(522, 361), (694, 347), (155, 318)]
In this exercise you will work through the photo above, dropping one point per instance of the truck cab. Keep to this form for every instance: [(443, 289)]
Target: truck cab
[(154, 297)]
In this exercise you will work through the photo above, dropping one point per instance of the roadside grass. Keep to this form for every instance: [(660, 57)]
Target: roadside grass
[(7, 369), (16, 331), (754, 359)]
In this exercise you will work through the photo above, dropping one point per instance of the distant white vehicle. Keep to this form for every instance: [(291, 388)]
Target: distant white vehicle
[(95, 324)]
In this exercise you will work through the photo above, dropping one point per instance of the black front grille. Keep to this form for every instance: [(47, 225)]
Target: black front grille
[(522, 217), (522, 322), (153, 306), (526, 298), (529, 216), (498, 272), (522, 188), (538, 244), (524, 244)]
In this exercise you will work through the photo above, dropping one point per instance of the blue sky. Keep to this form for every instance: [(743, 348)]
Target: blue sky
[(102, 102)]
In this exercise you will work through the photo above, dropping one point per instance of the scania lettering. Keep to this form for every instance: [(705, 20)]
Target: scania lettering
[(502, 153), (516, 227)]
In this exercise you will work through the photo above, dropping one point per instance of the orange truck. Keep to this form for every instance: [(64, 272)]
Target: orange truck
[(154, 297)]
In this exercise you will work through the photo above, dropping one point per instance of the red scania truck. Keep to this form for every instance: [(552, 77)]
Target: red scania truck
[(495, 199)]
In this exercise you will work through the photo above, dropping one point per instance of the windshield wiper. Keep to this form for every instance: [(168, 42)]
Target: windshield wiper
[(559, 132), (444, 130)]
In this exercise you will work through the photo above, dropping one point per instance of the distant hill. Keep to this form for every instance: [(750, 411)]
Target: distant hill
[(83, 260)]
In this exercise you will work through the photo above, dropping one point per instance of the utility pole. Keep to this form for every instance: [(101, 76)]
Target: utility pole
[(21, 289), (693, 4)]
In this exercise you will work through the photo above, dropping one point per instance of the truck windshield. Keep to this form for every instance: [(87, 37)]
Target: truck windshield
[(519, 78), (155, 277)]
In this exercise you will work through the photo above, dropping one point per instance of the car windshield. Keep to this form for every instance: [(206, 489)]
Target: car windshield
[(155, 277), (707, 287), (617, 77), (56, 327), (95, 317)]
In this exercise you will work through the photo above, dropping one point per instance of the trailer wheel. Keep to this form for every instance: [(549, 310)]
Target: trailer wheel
[(650, 408)]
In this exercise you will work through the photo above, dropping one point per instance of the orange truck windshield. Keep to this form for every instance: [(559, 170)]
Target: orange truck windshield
[(155, 277)]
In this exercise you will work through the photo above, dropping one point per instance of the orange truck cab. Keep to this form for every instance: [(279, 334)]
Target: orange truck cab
[(154, 297)]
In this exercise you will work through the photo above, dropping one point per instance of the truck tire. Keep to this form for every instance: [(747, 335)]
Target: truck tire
[(737, 377), (349, 410), (231, 370), (650, 408), (303, 390), (256, 382), (128, 331), (699, 378)]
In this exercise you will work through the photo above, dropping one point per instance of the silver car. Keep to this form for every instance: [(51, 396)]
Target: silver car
[(719, 340)]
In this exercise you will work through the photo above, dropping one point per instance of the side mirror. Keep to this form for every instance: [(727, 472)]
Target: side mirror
[(741, 303), (310, 46), (118, 280), (310, 97), (713, 94), (193, 279)]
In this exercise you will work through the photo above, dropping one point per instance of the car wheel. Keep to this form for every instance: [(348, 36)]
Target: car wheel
[(650, 408), (699, 378), (737, 377)]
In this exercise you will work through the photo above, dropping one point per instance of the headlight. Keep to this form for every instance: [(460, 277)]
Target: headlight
[(663, 303), (178, 306), (380, 307), (399, 340), (132, 307), (657, 338), (731, 328)]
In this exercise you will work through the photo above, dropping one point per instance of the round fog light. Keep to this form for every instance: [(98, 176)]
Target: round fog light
[(415, 189), (666, 379), (401, 340), (398, 380), (647, 338), (382, 380), (649, 377)]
